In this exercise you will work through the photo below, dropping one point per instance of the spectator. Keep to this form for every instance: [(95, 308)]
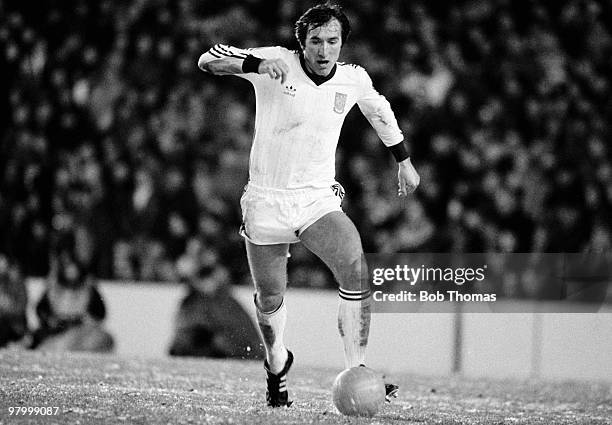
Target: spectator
[(71, 311), (210, 322), (13, 303)]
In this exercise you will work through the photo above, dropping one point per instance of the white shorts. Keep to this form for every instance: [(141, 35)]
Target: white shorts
[(276, 216)]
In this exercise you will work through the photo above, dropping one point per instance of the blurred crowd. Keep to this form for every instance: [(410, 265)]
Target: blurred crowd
[(110, 132)]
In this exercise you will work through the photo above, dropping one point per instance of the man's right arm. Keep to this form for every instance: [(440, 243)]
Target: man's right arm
[(223, 60), (227, 60)]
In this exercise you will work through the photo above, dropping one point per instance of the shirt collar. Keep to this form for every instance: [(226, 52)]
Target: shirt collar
[(317, 79)]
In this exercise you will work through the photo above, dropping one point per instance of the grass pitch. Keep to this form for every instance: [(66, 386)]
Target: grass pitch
[(101, 389)]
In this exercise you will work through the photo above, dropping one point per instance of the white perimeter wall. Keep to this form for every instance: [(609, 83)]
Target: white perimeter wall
[(517, 345)]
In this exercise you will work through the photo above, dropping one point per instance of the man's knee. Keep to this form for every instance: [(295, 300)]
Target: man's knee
[(268, 301), (268, 264), (270, 291), (353, 274)]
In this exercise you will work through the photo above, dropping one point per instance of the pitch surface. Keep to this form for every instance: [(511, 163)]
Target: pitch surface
[(101, 389)]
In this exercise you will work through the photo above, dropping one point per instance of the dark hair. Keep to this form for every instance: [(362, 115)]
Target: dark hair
[(320, 15)]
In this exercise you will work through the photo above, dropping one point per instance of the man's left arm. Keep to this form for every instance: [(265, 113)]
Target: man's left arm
[(379, 114)]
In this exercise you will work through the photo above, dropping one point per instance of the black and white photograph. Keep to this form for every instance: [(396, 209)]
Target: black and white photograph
[(306, 212)]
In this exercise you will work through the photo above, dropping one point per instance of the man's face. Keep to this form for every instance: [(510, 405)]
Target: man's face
[(322, 47)]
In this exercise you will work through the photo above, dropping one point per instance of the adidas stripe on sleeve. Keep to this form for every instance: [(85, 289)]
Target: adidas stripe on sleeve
[(220, 51)]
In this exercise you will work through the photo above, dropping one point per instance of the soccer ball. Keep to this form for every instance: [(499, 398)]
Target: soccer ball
[(358, 391)]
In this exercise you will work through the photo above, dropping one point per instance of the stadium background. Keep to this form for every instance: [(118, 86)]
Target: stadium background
[(111, 133)]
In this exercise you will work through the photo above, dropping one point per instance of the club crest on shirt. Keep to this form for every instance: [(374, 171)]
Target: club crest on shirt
[(339, 102)]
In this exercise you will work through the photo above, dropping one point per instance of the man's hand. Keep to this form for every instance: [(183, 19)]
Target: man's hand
[(275, 68), (408, 178)]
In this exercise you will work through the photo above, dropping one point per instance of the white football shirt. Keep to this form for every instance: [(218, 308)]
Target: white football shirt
[(298, 123)]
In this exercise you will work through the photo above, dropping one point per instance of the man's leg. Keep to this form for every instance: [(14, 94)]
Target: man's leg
[(268, 264), (335, 240)]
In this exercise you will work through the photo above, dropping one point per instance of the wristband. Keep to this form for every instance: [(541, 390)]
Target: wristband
[(251, 64), (399, 151)]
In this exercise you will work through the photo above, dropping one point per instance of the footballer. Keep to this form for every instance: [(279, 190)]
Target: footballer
[(302, 99)]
